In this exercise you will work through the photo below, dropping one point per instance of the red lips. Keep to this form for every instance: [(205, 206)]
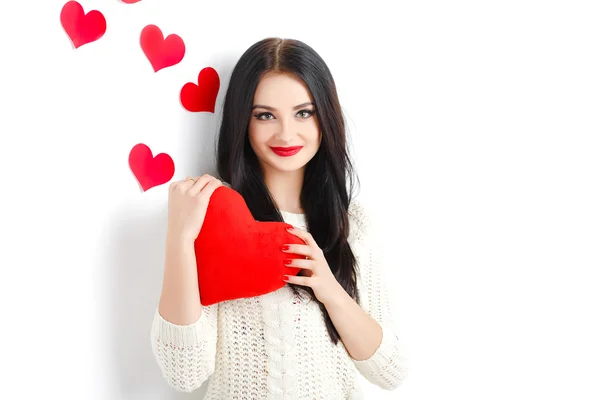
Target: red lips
[(286, 151)]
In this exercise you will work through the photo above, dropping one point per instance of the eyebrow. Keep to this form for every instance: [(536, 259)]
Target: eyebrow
[(274, 109)]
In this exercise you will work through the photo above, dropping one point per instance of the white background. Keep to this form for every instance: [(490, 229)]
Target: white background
[(475, 127)]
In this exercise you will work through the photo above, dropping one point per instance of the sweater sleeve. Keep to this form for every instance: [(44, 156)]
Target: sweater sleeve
[(387, 367), (186, 353)]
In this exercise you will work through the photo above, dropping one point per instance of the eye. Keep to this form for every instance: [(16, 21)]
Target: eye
[(307, 113), (262, 116)]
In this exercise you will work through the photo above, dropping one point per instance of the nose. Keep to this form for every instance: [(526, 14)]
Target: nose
[(286, 129)]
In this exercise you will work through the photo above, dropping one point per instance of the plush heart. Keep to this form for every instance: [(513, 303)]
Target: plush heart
[(80, 27), (203, 96), (161, 52), (237, 256), (150, 171)]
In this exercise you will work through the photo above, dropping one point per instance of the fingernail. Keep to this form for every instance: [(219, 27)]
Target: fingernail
[(287, 262), (285, 247), (290, 228), (285, 278)]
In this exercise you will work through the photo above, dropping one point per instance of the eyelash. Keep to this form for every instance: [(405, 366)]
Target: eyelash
[(260, 115)]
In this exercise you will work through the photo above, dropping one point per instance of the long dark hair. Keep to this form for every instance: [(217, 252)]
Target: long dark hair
[(329, 176)]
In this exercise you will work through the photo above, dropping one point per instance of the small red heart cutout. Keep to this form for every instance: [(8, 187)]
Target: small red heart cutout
[(130, 1), (203, 96), (237, 256), (161, 52), (80, 27), (150, 171)]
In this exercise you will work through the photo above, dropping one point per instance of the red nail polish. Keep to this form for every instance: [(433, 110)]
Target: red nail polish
[(285, 247), (285, 278), (287, 262)]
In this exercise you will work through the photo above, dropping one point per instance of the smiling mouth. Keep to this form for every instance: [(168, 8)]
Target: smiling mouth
[(286, 151)]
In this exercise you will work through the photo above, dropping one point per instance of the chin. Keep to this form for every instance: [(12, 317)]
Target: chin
[(290, 165), (281, 167)]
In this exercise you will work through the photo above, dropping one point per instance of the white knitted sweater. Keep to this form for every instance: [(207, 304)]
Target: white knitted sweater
[(276, 346)]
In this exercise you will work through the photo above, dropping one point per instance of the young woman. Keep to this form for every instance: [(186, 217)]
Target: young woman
[(282, 145)]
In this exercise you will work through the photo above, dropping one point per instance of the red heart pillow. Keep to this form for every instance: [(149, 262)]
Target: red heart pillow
[(237, 256)]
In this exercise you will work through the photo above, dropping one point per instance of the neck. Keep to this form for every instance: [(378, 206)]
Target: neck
[(285, 188)]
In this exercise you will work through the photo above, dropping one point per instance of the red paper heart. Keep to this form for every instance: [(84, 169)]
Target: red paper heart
[(161, 52), (203, 96), (150, 171), (130, 1), (238, 257), (80, 27)]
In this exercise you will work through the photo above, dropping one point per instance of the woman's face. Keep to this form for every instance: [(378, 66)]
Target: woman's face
[(283, 131)]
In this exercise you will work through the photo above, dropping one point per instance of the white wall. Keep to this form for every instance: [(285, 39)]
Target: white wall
[(475, 128)]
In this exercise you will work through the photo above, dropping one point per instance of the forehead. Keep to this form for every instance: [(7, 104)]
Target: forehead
[(281, 90)]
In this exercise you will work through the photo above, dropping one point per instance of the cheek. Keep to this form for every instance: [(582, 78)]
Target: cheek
[(255, 136), (317, 137)]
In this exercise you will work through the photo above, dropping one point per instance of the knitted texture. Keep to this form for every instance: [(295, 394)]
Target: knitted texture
[(276, 346)]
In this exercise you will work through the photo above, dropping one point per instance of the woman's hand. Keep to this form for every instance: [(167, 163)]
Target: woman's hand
[(188, 201), (315, 271)]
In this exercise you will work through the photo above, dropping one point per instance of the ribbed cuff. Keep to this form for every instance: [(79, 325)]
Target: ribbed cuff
[(181, 335), (383, 356)]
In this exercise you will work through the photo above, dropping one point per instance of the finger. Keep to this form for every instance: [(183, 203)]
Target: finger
[(300, 263), (209, 189), (189, 181), (182, 185), (306, 272), (297, 280), (304, 235), (301, 249), (200, 183)]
